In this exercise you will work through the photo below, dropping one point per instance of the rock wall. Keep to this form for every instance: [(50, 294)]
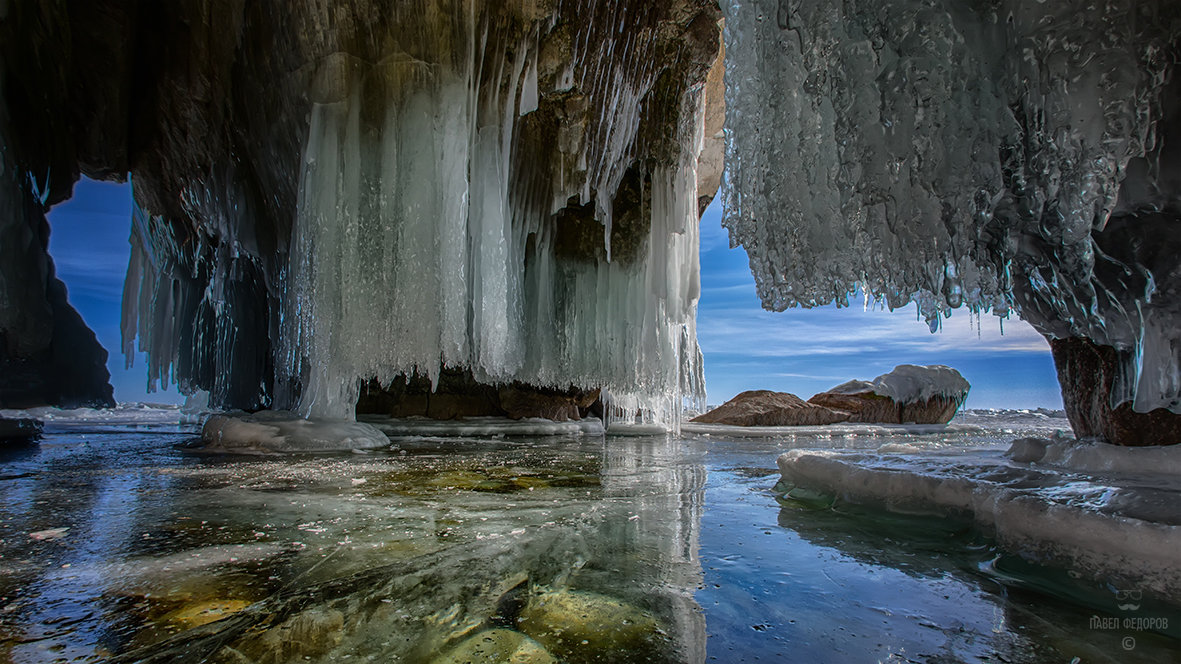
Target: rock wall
[(540, 152), (47, 354), (1013, 156)]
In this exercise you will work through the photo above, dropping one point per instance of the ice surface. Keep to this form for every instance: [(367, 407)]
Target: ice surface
[(1096, 518), (961, 154), (273, 432), (483, 426), (1098, 457), (132, 413), (909, 383), (424, 236)]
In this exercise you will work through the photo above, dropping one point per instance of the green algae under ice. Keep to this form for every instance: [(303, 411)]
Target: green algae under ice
[(118, 545)]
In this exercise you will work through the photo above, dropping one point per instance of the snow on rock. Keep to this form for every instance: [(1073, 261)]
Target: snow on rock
[(127, 412), (1087, 510), (274, 432), (909, 383), (909, 393)]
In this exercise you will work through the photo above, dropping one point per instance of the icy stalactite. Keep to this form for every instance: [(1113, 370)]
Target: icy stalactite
[(191, 304), (410, 253), (443, 219), (957, 154)]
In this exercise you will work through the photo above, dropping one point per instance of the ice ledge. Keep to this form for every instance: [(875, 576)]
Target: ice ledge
[(1108, 520), (282, 432)]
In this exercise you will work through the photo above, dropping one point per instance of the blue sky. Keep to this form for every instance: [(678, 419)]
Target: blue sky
[(799, 351), (805, 351)]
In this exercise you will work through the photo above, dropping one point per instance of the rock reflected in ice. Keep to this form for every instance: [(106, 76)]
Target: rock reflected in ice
[(277, 432)]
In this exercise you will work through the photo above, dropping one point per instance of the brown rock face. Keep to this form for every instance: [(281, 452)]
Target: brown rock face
[(520, 401), (764, 408), (870, 407), (1086, 373), (862, 407), (459, 395)]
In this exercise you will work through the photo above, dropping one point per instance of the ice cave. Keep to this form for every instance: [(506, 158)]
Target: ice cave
[(428, 272)]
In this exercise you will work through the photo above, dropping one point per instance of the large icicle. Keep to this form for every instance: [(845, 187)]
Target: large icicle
[(960, 153), (410, 252), (509, 191)]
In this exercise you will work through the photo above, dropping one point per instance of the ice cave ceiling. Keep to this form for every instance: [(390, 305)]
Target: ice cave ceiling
[(329, 192)]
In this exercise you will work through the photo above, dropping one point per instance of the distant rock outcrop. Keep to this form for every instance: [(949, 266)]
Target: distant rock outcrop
[(764, 408), (908, 394)]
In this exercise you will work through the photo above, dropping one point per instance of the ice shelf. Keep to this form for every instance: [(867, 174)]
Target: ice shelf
[(1104, 512), (480, 195), (280, 432)]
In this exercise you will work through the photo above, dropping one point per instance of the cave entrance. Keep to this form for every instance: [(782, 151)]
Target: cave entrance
[(89, 247), (805, 351)]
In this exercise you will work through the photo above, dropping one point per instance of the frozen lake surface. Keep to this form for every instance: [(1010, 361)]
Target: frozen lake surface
[(116, 543)]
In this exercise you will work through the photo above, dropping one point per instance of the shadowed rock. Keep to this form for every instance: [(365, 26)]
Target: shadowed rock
[(1087, 372)]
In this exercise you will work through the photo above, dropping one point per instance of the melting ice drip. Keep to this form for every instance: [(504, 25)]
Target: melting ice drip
[(957, 153), (424, 237)]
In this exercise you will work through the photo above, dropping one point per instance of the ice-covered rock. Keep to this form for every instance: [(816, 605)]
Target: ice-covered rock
[(329, 193), (19, 429), (767, 408), (274, 432), (457, 394), (1008, 155), (908, 394), (1107, 513)]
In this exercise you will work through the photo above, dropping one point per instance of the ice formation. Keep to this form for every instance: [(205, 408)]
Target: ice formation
[(459, 201), (995, 155), (1115, 527), (275, 432)]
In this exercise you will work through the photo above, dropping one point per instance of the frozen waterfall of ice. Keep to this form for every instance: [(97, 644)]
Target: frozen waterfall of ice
[(424, 237), (956, 154)]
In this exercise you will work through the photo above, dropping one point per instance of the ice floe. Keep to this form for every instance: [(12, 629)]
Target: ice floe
[(1105, 513), (275, 432)]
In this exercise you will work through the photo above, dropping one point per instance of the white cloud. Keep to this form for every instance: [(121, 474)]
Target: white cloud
[(831, 331)]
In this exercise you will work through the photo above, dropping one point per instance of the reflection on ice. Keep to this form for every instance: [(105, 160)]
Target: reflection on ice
[(400, 555), (1108, 514), (662, 548)]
